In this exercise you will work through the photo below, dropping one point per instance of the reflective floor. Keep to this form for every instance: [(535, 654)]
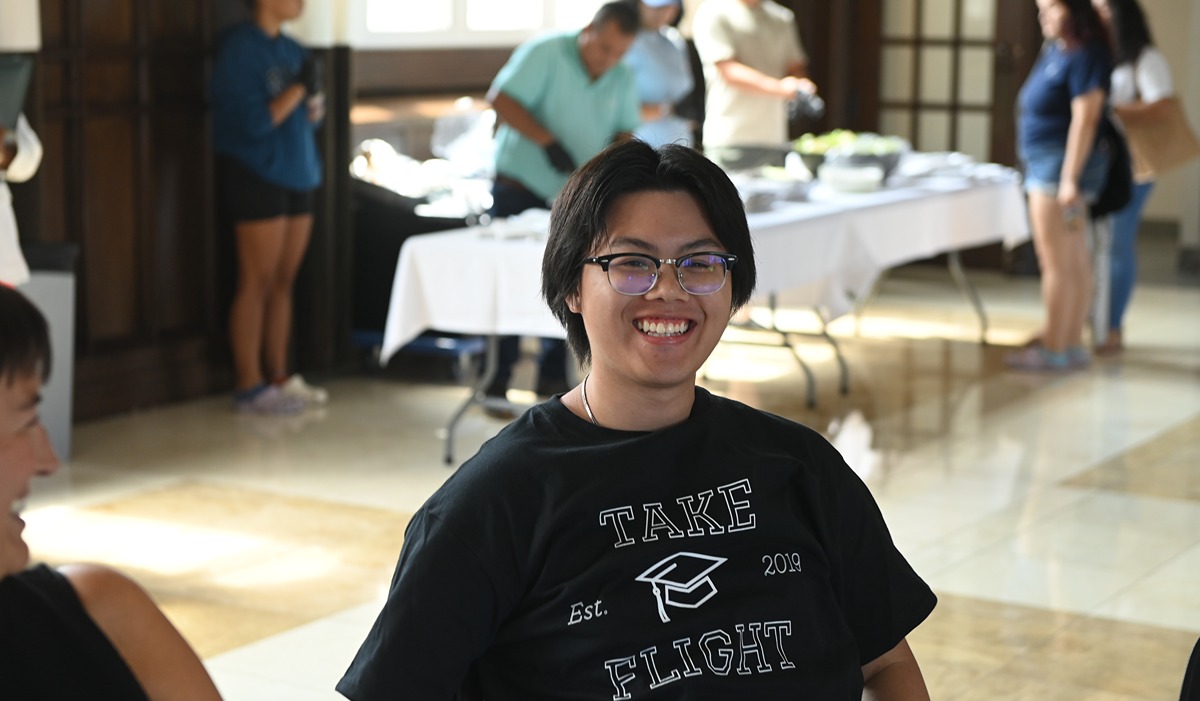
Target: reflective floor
[(1057, 517)]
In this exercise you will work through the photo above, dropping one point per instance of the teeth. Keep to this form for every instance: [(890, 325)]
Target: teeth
[(663, 329)]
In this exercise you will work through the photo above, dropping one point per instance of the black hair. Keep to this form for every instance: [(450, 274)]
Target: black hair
[(24, 338), (1084, 25), (579, 219), (1130, 32), (620, 12)]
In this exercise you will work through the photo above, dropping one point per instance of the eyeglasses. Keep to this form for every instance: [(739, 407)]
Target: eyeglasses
[(634, 274)]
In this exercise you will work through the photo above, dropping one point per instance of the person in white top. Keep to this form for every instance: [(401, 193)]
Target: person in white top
[(20, 156), (753, 65), (1141, 83)]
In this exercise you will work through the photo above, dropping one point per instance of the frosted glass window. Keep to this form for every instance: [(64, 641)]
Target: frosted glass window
[(935, 73), (899, 18), (975, 135), (570, 14), (937, 19), (975, 76), (979, 19), (409, 16), (896, 123), (484, 15), (896, 73), (934, 131)]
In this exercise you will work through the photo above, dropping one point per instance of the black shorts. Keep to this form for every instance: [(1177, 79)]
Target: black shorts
[(247, 197)]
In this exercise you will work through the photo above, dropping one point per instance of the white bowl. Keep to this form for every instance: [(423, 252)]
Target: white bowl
[(851, 178)]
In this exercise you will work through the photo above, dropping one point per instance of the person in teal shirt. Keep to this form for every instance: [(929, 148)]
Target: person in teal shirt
[(560, 99)]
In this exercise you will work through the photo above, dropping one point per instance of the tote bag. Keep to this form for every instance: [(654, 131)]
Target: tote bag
[(1162, 143)]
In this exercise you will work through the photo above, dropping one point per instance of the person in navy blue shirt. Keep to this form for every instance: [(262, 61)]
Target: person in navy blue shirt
[(267, 102), (1065, 166)]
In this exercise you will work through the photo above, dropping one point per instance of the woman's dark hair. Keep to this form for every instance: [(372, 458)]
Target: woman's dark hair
[(1084, 25), (579, 220), (24, 338), (1129, 30)]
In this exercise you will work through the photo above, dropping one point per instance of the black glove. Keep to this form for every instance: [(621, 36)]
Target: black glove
[(559, 158), (310, 75), (805, 105)]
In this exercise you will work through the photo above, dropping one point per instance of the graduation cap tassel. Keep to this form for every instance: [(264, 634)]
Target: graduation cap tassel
[(662, 610)]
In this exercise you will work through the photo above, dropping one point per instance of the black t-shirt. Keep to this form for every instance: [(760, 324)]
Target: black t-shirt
[(51, 649), (734, 555)]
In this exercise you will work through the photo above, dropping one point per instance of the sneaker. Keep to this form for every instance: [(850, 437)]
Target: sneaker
[(1037, 360), (295, 386), (268, 400)]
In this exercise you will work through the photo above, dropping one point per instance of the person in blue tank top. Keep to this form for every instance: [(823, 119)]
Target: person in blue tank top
[(78, 631), (1059, 109), (267, 102)]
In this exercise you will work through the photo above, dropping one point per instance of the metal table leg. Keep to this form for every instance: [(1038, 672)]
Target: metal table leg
[(843, 368), (954, 263), (490, 363)]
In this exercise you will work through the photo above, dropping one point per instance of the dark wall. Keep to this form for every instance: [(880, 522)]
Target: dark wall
[(120, 102)]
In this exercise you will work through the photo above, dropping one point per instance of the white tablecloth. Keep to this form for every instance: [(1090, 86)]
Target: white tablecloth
[(829, 250)]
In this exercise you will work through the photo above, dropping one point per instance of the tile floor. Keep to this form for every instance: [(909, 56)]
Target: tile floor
[(1057, 517)]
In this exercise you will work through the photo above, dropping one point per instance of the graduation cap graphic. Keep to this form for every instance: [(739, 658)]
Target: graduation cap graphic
[(682, 580)]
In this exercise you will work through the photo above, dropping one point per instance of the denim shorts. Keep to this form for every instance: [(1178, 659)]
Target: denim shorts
[(1043, 168)]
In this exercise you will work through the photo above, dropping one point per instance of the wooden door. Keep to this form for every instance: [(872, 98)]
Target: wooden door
[(950, 71)]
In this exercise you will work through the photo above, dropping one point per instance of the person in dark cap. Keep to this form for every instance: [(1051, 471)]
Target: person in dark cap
[(638, 537)]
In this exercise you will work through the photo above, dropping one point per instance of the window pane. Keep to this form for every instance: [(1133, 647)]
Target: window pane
[(937, 20), (975, 135), (393, 16), (935, 74), (484, 15), (896, 73), (899, 18), (979, 19), (896, 123), (935, 131), (572, 14), (975, 76)]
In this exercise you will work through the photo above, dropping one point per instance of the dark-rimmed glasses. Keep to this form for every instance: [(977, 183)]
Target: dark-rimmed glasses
[(634, 274)]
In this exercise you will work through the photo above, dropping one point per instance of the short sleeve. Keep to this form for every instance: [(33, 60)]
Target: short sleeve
[(440, 616), (525, 75), (713, 36), (1153, 76), (1089, 70), (883, 598)]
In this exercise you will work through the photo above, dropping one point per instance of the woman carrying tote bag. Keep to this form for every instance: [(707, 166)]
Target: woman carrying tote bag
[(1142, 97)]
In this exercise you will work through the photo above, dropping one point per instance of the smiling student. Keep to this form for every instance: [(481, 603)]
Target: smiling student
[(639, 537)]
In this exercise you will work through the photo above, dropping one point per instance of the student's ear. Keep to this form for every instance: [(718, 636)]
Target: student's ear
[(573, 303)]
